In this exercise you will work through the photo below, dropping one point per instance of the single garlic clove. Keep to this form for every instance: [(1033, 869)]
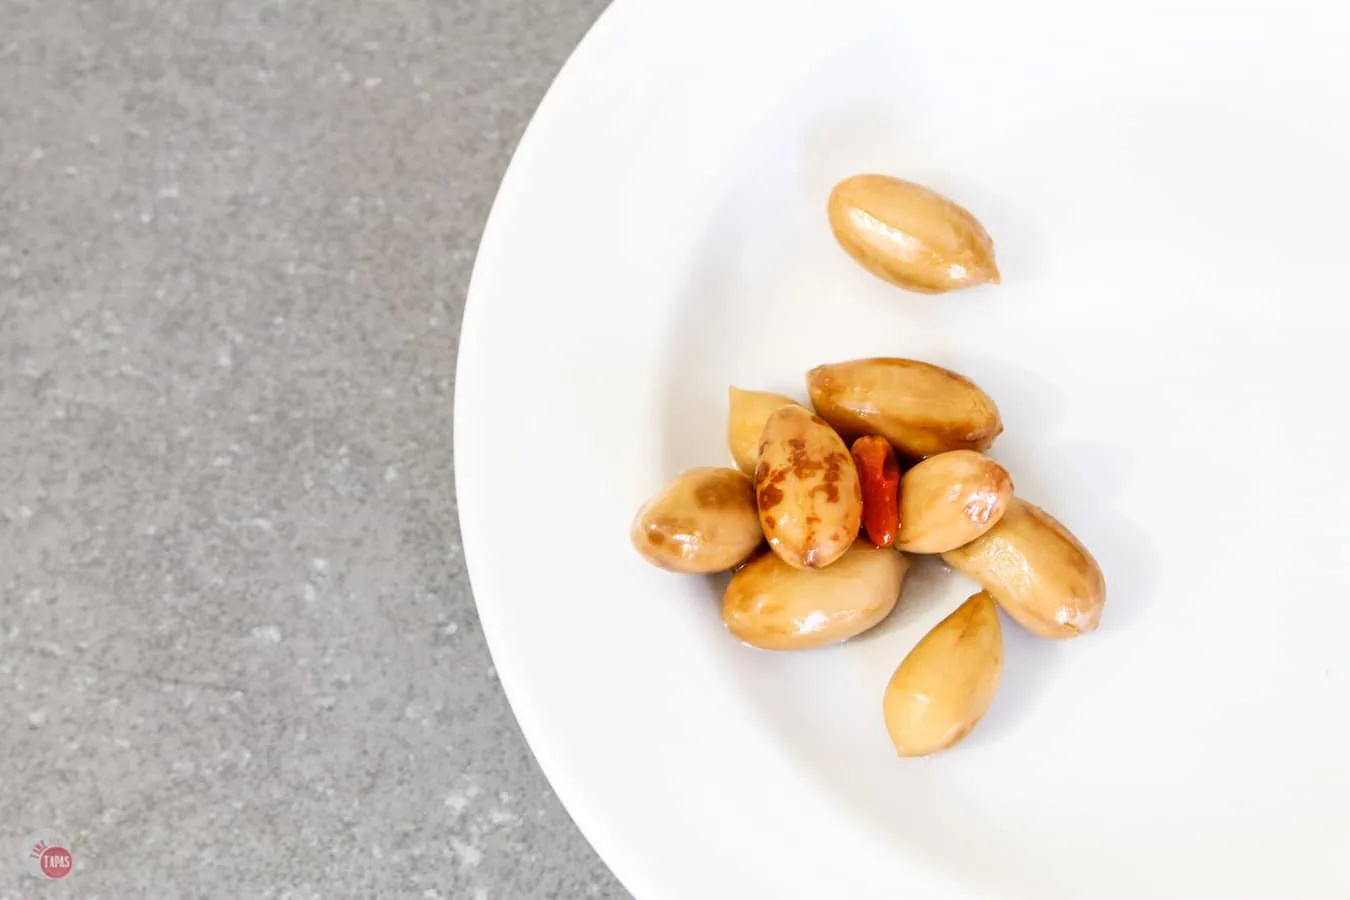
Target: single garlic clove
[(911, 236)]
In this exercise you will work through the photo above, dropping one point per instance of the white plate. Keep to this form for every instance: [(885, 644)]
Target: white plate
[(1167, 184)]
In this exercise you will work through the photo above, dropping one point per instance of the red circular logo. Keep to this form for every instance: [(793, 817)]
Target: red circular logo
[(56, 862)]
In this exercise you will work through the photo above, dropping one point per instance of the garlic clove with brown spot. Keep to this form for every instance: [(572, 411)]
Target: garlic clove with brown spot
[(702, 521), (807, 489)]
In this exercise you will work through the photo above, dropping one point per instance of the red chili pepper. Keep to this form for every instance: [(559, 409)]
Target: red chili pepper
[(879, 473)]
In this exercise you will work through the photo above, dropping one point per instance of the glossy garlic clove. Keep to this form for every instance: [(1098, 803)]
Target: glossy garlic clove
[(951, 499), (945, 685), (1037, 571), (807, 489), (747, 413), (920, 408), (910, 236), (774, 606), (702, 521)]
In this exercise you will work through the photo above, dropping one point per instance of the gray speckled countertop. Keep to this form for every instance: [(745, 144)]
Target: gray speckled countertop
[(238, 654)]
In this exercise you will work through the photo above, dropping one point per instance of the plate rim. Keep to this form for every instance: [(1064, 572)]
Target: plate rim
[(601, 837)]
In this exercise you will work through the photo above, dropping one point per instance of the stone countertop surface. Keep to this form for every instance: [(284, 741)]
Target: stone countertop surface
[(238, 653)]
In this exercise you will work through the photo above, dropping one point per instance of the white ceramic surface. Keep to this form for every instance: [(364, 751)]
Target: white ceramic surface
[(1167, 186)]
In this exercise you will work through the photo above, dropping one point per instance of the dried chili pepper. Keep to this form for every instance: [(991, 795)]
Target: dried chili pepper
[(879, 472)]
